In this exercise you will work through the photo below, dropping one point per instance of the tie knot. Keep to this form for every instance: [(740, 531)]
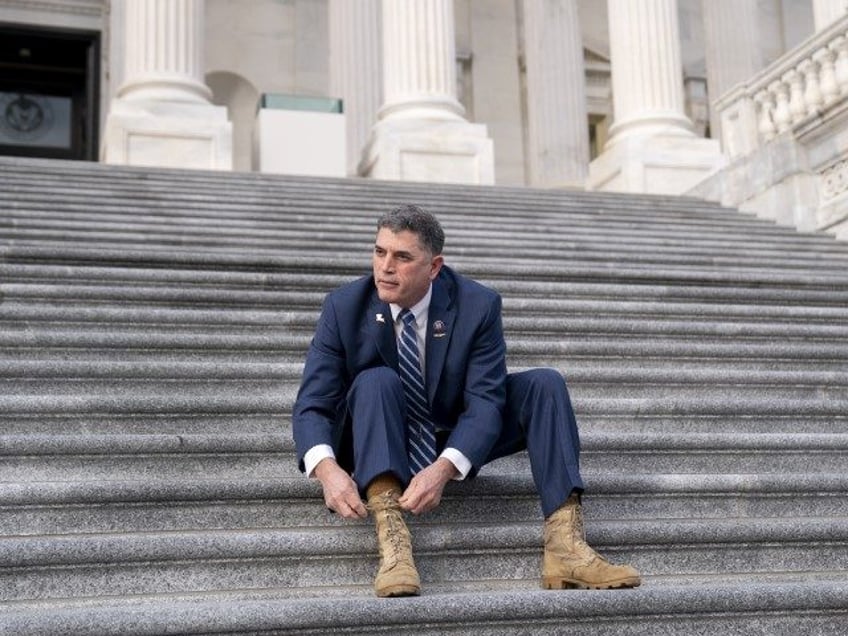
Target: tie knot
[(407, 317)]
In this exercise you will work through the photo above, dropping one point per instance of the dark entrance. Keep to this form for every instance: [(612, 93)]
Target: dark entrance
[(48, 93)]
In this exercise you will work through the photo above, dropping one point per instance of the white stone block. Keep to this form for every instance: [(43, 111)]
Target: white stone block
[(432, 151), (738, 124), (300, 142), (792, 202), (656, 165), (774, 182), (168, 135)]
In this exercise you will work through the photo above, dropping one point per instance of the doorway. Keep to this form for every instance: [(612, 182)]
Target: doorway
[(49, 92)]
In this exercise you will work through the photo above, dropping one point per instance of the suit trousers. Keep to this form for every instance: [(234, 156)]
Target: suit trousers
[(538, 417)]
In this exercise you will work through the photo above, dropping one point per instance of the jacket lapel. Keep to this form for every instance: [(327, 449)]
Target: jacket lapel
[(379, 323), (441, 316)]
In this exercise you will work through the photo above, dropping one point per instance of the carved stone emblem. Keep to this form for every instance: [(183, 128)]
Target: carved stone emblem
[(25, 117)]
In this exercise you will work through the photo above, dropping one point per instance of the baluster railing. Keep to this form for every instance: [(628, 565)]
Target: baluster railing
[(812, 99), (828, 85), (803, 83), (766, 106), (840, 46)]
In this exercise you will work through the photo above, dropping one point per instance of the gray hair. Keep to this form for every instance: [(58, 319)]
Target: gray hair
[(417, 220)]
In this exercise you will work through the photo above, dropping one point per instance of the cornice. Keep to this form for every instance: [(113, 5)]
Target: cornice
[(75, 7)]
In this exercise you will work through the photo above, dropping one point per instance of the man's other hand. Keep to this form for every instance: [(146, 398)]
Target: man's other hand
[(340, 492), (425, 490)]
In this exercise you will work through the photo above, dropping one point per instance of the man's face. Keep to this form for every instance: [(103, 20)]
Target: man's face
[(403, 269)]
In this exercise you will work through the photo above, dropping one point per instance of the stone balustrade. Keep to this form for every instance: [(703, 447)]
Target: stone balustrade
[(804, 83)]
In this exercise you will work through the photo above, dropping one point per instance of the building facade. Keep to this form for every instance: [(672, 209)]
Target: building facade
[(712, 97)]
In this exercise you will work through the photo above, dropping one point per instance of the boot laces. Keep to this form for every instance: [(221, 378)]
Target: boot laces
[(395, 540), (580, 538), (395, 528), (384, 501), (572, 525)]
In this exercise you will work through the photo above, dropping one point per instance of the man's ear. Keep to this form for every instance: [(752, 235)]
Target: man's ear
[(436, 265)]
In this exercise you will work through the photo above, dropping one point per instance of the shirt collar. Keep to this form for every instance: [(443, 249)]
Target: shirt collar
[(418, 309)]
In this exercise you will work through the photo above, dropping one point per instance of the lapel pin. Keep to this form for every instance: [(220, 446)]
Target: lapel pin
[(438, 329), (380, 318)]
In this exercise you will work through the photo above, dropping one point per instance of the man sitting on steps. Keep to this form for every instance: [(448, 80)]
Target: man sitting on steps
[(405, 388)]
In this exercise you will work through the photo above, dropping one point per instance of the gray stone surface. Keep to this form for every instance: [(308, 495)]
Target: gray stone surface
[(737, 609), (152, 327)]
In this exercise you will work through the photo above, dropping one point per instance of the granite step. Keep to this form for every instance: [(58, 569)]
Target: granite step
[(575, 359), (40, 567), (232, 200), (153, 184), (580, 239), (715, 606), (139, 466), (34, 206), (206, 503), (47, 302), (609, 271), (704, 423), (474, 237), (542, 347), (210, 401), (18, 374), (148, 371), (180, 457), (310, 286), (459, 196), (37, 429), (572, 245), (649, 259), (142, 318), (275, 393)]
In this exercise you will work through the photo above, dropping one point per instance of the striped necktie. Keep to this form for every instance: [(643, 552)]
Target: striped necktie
[(421, 435)]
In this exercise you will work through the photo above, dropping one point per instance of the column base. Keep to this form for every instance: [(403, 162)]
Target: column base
[(429, 150), (655, 165), (168, 134)]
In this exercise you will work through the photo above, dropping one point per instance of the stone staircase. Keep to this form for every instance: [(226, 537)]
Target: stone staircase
[(153, 327)]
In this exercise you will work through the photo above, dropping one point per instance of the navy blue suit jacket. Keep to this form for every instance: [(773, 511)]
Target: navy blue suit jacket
[(466, 366)]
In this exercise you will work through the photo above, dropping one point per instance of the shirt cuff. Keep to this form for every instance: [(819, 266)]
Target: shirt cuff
[(460, 462), (314, 455)]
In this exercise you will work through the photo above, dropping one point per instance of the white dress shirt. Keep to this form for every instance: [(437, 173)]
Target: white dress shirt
[(421, 311)]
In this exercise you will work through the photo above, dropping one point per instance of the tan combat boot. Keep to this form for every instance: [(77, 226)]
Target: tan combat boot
[(569, 562), (397, 575)]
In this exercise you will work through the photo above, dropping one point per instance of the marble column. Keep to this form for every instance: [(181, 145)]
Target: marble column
[(422, 134), (647, 73), (356, 69), (826, 12), (651, 147), (161, 114), (557, 122), (732, 43)]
